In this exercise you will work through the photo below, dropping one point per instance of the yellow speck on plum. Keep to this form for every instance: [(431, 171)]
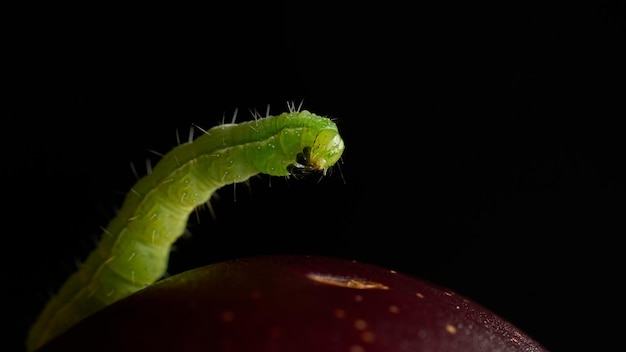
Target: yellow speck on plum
[(227, 316), (451, 329), (356, 348), (360, 324), (368, 337), (339, 313)]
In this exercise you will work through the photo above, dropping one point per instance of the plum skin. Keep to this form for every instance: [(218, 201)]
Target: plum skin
[(294, 303)]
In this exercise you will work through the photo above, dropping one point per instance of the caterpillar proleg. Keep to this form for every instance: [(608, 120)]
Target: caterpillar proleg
[(134, 248)]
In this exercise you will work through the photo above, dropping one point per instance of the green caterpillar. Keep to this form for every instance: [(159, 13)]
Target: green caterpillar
[(135, 246)]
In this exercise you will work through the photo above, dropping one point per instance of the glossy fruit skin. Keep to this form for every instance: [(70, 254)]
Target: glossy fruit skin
[(294, 303)]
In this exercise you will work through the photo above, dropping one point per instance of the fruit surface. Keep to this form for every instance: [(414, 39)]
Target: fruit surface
[(294, 303)]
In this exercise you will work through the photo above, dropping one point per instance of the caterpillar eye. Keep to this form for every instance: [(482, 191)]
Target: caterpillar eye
[(297, 170), (304, 158), (303, 163), (294, 169)]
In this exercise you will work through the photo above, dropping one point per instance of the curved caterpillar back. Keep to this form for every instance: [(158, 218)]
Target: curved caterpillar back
[(135, 246)]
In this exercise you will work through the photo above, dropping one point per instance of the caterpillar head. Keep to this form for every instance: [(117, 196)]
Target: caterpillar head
[(326, 151)]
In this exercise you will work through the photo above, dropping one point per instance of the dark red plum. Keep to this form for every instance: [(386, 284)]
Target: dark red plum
[(294, 303)]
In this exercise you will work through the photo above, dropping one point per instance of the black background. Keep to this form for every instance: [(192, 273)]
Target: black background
[(484, 150)]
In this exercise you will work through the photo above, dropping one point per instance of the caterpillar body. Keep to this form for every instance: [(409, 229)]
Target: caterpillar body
[(134, 249)]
